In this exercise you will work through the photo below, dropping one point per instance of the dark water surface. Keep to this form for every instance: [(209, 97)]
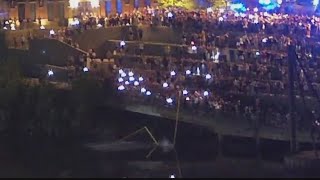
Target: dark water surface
[(196, 153)]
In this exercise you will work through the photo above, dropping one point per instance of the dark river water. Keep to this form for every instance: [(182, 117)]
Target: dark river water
[(196, 153)]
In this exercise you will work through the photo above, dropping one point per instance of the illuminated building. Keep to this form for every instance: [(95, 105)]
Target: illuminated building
[(55, 10)]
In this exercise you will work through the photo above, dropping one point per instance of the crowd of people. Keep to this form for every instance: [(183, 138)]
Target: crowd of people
[(259, 67), (229, 61)]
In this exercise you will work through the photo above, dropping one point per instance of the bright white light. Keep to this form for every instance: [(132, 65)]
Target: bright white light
[(122, 43), (169, 100), (85, 69), (256, 21), (131, 78), (221, 10), (126, 83), (121, 87), (123, 74), (130, 73), (170, 15), (50, 73), (188, 72), (198, 71), (143, 90), (7, 22), (172, 73), (192, 43), (220, 18), (120, 79), (74, 4), (172, 176), (94, 3), (13, 28), (99, 25), (5, 28), (194, 48), (75, 22), (209, 10), (165, 85), (187, 98), (121, 71), (136, 83), (148, 93), (184, 92), (255, 9), (42, 27), (206, 93), (300, 24), (280, 2), (140, 78), (264, 40), (52, 32), (208, 76)]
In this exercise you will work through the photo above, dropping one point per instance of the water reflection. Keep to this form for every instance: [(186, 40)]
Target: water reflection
[(195, 155)]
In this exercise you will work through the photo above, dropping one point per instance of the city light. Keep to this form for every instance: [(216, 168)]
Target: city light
[(123, 74), (143, 90), (255, 9), (198, 71), (184, 92), (130, 73), (42, 27), (188, 72), (99, 25), (170, 15), (136, 83), (121, 71), (148, 93), (120, 79), (169, 100), (131, 78), (52, 32), (94, 3), (85, 69), (172, 73), (172, 176), (121, 87), (122, 43), (50, 73), (13, 28), (206, 93), (126, 83), (74, 4), (194, 48), (280, 1), (140, 78), (187, 98), (165, 85), (315, 3), (209, 10), (220, 19), (208, 76)]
